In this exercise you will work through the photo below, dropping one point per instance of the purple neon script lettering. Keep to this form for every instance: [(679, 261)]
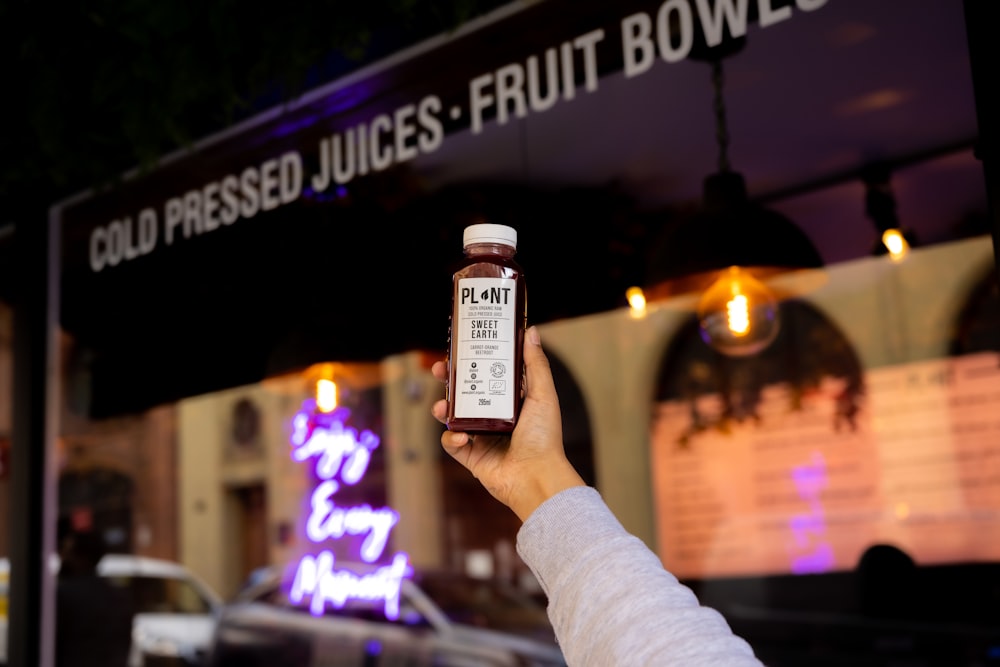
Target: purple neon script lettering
[(300, 429), (820, 560), (326, 521), (810, 528), (316, 578), (338, 449)]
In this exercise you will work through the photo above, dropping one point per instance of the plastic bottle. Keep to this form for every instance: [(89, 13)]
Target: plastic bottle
[(486, 336)]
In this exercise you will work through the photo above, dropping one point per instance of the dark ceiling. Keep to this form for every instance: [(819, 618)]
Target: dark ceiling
[(591, 184), (810, 103)]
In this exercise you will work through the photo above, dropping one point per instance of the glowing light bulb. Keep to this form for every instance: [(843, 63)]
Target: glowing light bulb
[(636, 299), (738, 314), (895, 244), (326, 395)]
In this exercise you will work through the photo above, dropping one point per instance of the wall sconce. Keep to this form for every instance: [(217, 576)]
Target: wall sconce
[(320, 379), (336, 385), (880, 208), (326, 395), (636, 301), (896, 244)]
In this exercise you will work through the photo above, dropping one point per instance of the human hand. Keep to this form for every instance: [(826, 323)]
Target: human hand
[(524, 468)]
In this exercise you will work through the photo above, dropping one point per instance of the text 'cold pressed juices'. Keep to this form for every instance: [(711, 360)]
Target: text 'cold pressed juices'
[(488, 318)]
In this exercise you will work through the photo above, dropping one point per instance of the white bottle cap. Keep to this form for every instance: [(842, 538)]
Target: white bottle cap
[(488, 233)]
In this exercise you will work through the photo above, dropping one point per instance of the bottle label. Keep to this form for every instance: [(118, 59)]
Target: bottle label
[(485, 322)]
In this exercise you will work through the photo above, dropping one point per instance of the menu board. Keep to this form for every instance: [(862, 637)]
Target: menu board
[(806, 486)]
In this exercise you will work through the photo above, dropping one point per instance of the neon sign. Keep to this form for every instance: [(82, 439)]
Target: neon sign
[(342, 456), (809, 528)]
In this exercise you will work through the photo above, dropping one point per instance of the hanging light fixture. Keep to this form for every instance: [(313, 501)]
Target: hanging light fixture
[(738, 315), (727, 250)]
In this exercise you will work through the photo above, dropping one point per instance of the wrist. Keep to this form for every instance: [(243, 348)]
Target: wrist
[(537, 489)]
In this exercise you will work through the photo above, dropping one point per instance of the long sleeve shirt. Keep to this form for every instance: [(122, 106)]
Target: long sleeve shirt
[(611, 602)]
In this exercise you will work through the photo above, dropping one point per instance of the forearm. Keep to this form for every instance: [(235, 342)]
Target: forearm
[(610, 600)]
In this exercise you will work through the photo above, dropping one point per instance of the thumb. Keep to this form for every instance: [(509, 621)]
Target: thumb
[(538, 372)]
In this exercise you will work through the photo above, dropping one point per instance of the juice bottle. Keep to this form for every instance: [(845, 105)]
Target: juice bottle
[(486, 336)]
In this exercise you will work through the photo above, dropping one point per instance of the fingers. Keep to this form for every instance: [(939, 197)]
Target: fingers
[(450, 439), (538, 373), (440, 410), (454, 439)]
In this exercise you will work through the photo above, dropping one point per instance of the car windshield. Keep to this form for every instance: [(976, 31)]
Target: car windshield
[(485, 603), (158, 595)]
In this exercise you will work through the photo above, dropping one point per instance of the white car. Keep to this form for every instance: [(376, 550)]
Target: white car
[(439, 618), (175, 611)]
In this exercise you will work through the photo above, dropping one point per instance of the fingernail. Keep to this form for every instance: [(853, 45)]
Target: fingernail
[(533, 336)]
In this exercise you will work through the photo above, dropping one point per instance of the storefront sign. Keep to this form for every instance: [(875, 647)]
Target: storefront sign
[(515, 90)]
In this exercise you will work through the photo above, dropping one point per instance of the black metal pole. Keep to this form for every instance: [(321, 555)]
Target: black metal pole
[(31, 609), (981, 17)]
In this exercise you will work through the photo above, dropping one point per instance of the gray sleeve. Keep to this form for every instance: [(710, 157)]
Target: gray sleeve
[(611, 602)]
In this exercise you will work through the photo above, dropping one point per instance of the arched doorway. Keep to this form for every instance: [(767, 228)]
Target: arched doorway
[(743, 450)]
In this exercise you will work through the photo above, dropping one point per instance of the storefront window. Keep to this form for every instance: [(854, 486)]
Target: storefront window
[(812, 490), (246, 334)]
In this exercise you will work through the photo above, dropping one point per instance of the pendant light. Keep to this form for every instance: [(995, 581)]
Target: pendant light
[(725, 251)]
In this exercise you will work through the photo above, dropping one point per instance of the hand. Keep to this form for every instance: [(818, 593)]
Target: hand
[(528, 466)]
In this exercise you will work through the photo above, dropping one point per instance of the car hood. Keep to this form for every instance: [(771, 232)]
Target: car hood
[(181, 630), (540, 650)]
